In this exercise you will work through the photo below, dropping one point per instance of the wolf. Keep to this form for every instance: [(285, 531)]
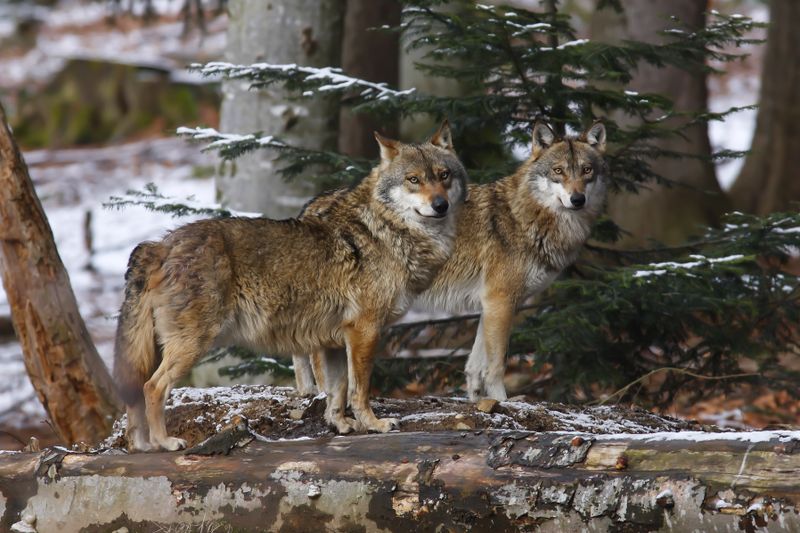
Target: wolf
[(288, 286), (514, 237)]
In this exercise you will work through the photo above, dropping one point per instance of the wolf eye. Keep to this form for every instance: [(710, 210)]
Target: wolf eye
[(587, 170), (444, 174), (413, 179), (558, 170)]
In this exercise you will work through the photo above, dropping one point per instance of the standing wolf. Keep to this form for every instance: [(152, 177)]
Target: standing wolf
[(515, 236), (288, 286)]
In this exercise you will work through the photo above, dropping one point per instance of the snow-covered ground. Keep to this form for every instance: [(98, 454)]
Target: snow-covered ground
[(163, 45), (72, 183)]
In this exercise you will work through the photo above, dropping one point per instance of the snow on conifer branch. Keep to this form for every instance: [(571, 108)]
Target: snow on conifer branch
[(230, 145), (151, 199), (305, 79), (334, 169)]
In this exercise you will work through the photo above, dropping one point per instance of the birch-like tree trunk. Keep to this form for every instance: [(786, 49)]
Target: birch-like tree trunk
[(68, 375), (303, 32), (668, 215), (768, 181)]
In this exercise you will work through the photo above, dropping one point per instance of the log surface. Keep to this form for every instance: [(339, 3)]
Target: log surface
[(478, 480), (261, 459)]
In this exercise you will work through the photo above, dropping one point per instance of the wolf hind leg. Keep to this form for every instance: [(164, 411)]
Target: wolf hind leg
[(303, 375), (333, 370), (476, 365), (180, 355), (138, 432)]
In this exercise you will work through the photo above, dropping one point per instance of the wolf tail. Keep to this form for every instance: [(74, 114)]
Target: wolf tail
[(136, 351)]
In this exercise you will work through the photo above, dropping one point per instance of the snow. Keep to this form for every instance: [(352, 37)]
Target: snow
[(576, 42), (225, 140), (161, 45), (753, 437), (661, 268), (190, 202), (227, 395), (335, 78)]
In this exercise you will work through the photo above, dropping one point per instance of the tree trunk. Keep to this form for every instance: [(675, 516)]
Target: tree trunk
[(304, 32), (373, 55), (451, 481), (418, 126), (768, 181), (668, 215), (70, 379)]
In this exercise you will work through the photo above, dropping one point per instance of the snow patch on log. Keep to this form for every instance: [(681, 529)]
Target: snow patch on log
[(276, 413), (705, 436)]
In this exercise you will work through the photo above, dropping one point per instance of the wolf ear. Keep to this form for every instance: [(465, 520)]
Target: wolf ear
[(443, 138), (543, 137), (389, 148), (595, 136)]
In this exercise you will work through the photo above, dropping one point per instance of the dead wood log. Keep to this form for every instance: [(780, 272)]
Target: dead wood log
[(70, 379), (456, 466), (444, 481)]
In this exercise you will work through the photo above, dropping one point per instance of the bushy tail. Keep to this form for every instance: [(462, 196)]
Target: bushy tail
[(136, 352)]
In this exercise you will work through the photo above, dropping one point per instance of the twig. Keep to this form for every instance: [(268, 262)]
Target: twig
[(4, 432), (640, 379)]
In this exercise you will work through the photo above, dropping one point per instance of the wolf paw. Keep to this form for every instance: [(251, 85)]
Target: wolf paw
[(139, 445), (383, 425), (347, 425), (171, 444)]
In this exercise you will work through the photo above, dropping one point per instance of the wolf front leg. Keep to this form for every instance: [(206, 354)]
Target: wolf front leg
[(476, 365), (497, 318), (362, 338)]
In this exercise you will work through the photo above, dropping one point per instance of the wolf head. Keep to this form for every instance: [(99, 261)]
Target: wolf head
[(421, 182), (569, 173)]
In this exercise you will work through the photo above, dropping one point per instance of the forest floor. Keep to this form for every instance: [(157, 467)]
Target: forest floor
[(94, 241)]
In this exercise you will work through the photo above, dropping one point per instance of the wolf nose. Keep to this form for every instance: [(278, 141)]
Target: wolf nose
[(578, 199), (440, 205)]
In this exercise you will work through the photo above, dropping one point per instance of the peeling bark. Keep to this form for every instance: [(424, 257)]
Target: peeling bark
[(491, 481), (70, 379)]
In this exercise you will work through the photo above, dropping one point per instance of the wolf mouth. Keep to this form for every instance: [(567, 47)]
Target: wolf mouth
[(438, 216)]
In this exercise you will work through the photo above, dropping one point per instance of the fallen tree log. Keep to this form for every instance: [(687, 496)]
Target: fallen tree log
[(261, 459), (446, 481)]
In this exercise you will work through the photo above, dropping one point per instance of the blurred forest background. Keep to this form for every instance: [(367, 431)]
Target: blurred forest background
[(96, 90)]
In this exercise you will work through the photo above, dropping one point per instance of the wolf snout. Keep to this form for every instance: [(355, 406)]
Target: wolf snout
[(578, 199), (440, 205)]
